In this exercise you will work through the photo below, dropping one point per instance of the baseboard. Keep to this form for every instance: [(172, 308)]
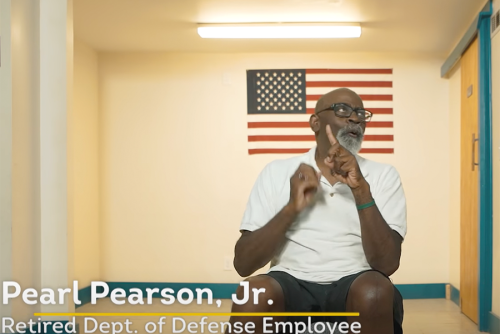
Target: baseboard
[(83, 296), (219, 290), (455, 295), (494, 324), (225, 290), (422, 291)]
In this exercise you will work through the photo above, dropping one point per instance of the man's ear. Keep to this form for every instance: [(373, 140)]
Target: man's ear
[(315, 123)]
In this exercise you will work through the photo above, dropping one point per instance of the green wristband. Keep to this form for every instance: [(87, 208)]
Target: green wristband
[(367, 205)]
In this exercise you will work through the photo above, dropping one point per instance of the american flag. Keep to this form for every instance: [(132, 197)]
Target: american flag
[(280, 103)]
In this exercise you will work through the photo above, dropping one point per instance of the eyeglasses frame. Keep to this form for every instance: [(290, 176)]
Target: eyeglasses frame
[(353, 110)]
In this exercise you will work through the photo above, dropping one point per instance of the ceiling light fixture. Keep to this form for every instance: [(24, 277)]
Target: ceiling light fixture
[(280, 30)]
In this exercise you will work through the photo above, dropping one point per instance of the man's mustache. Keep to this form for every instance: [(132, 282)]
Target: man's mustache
[(354, 128)]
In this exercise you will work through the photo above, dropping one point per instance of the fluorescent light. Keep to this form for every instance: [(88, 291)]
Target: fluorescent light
[(290, 30)]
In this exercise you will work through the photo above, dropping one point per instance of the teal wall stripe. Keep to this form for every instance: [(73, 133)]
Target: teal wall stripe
[(494, 324), (455, 295), (422, 291), (485, 172), (225, 290), (83, 296), (219, 290)]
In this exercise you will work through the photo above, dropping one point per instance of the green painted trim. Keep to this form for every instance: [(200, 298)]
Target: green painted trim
[(494, 324), (455, 295), (225, 290), (422, 291), (464, 43), (485, 241), (219, 290), (83, 296)]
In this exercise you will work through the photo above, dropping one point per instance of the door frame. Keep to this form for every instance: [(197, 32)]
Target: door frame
[(485, 172), (481, 28)]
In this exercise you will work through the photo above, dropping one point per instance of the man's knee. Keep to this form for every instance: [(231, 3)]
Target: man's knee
[(261, 289), (371, 291)]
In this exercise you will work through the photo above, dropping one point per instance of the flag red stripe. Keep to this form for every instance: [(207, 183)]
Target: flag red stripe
[(282, 138), (255, 125), (311, 138), (376, 111), (381, 111), (373, 97), (277, 150), (377, 150), (349, 71), (348, 84), (304, 150)]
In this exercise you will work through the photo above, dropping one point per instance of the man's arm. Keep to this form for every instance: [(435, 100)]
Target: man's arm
[(382, 245), (255, 249)]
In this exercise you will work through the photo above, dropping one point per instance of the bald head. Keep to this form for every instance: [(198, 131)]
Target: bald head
[(340, 95)]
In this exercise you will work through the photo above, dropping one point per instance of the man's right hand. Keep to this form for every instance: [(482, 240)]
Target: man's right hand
[(255, 249), (303, 186)]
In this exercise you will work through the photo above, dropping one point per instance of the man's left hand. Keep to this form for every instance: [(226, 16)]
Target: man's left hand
[(342, 163)]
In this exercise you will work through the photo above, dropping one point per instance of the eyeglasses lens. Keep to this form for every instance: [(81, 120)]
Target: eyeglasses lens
[(346, 111)]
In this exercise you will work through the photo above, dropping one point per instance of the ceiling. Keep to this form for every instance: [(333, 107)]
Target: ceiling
[(416, 26)]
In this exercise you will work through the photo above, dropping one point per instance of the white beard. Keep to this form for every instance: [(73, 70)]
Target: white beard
[(351, 144)]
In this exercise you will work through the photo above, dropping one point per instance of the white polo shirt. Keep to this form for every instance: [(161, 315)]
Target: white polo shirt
[(324, 243)]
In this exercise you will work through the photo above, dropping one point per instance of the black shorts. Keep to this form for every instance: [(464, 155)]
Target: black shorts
[(303, 296)]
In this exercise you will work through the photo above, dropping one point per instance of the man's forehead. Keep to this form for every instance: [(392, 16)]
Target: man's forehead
[(342, 95)]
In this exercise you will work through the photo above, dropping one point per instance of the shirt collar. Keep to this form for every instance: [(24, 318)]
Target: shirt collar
[(310, 159)]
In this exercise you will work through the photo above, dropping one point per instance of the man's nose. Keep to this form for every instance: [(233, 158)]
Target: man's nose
[(354, 118)]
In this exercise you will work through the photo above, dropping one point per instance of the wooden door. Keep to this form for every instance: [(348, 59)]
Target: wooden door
[(469, 185)]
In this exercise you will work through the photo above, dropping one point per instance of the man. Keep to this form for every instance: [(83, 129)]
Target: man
[(331, 223)]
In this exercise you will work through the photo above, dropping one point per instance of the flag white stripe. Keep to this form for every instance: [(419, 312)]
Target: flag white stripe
[(358, 90), (348, 77), (308, 131), (309, 144), (301, 118)]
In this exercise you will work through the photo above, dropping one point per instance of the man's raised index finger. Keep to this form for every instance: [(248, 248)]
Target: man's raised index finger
[(330, 135)]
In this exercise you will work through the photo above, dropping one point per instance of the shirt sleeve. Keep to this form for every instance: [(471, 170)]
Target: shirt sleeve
[(391, 201), (260, 208)]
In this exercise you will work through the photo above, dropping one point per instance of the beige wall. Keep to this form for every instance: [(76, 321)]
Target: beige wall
[(41, 67), (55, 85), (85, 166), (5, 151), (26, 231), (495, 56), (175, 173), (454, 174)]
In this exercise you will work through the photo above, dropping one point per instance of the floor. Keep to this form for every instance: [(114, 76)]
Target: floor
[(426, 316), (422, 316)]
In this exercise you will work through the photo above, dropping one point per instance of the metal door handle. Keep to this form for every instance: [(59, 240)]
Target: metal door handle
[(474, 140)]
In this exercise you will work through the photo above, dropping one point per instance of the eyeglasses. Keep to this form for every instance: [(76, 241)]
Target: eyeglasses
[(344, 110)]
